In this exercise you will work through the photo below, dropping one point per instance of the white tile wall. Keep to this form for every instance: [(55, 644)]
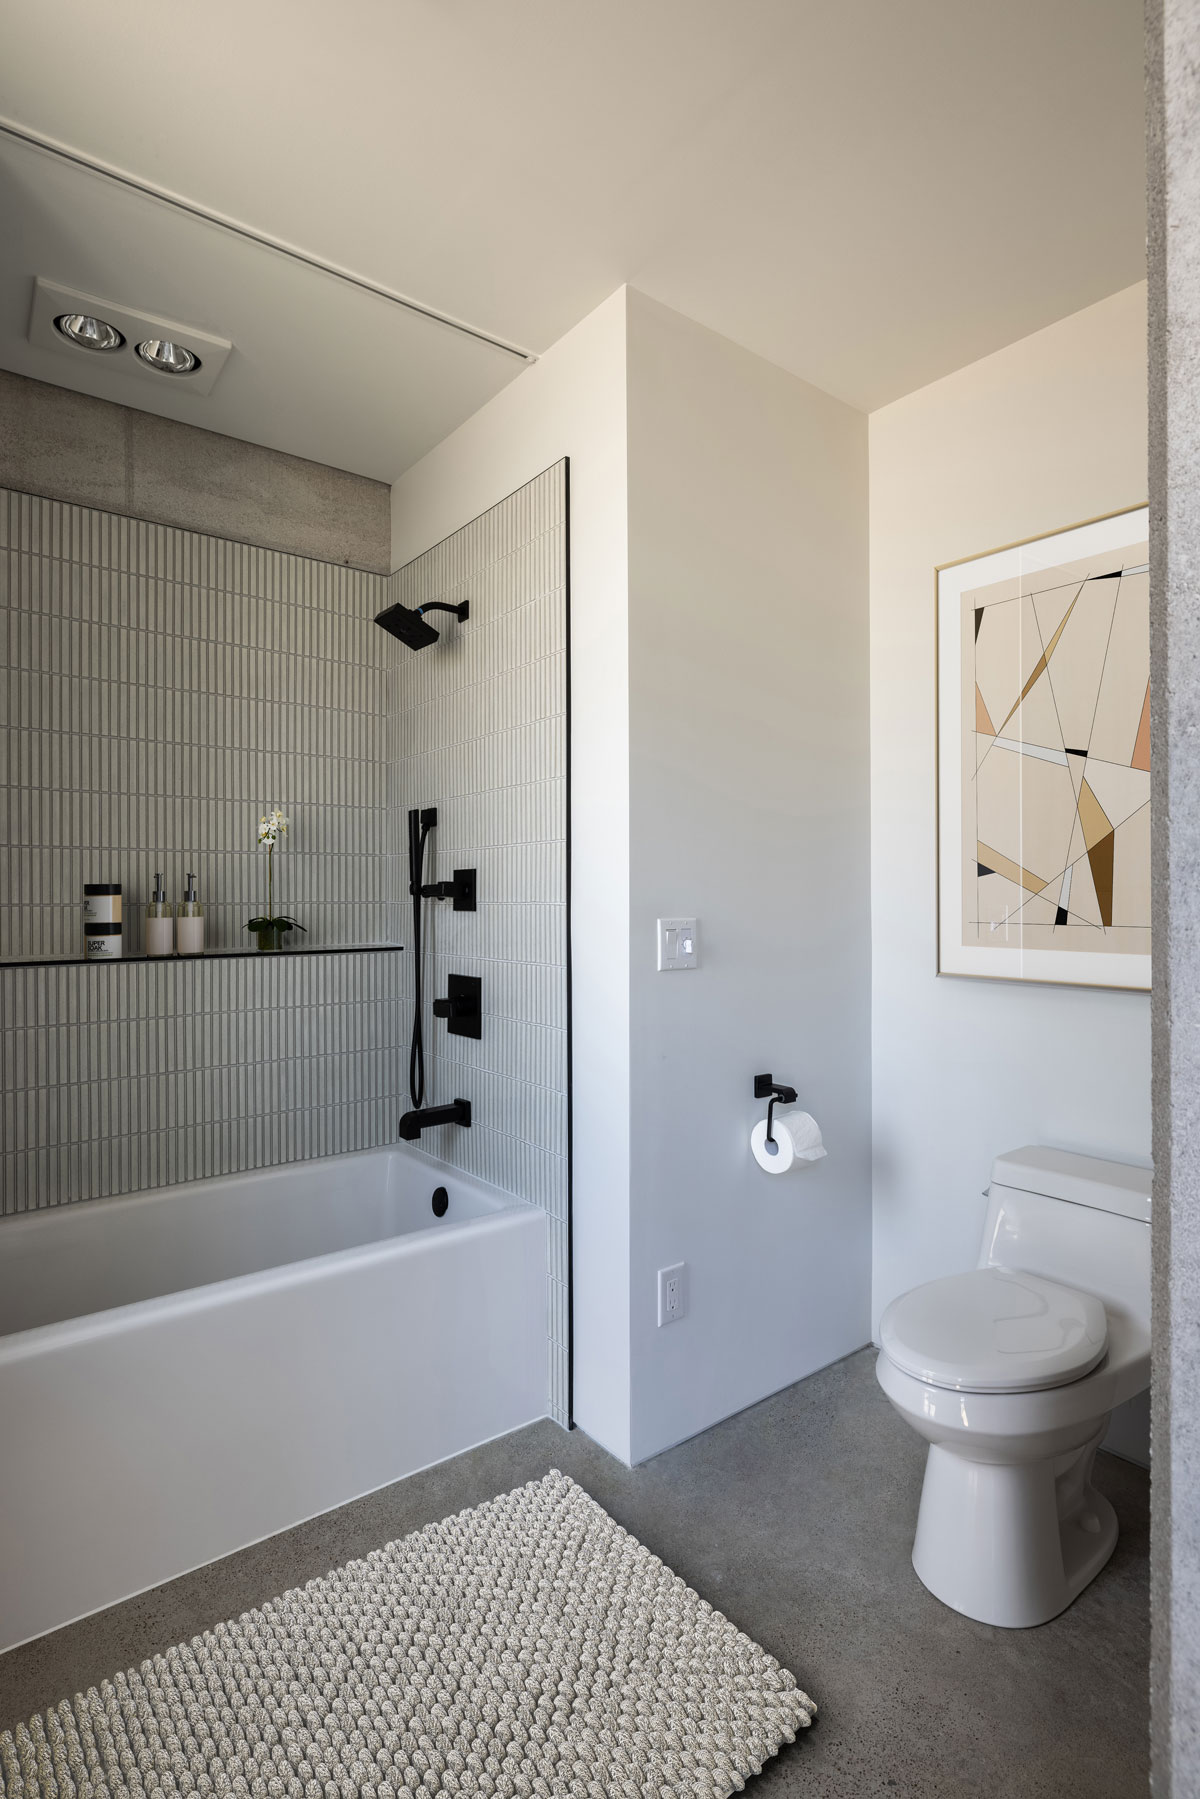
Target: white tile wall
[(480, 728), (162, 689), (120, 1078)]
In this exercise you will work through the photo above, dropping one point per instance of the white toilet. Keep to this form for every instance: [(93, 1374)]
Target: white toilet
[(1010, 1373)]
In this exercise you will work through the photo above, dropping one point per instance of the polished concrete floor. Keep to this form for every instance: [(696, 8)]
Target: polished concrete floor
[(795, 1518)]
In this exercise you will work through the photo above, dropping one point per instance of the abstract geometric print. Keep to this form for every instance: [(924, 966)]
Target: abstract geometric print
[(1056, 757)]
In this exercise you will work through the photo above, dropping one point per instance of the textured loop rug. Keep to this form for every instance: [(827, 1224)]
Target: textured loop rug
[(529, 1646)]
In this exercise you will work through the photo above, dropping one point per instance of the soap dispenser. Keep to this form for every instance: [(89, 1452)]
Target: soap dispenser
[(189, 924), (160, 922)]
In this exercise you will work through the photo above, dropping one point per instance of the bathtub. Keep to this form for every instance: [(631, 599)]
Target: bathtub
[(186, 1371)]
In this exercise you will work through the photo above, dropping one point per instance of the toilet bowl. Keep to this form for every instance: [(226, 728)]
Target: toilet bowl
[(1011, 1371)]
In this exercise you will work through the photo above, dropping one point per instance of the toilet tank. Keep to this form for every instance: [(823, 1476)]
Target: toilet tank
[(1076, 1219)]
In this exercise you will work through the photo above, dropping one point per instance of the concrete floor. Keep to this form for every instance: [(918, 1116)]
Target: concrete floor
[(795, 1518)]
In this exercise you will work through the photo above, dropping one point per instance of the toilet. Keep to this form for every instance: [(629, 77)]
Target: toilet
[(1011, 1371)]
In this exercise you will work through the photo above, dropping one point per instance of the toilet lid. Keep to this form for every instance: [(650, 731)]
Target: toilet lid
[(995, 1330)]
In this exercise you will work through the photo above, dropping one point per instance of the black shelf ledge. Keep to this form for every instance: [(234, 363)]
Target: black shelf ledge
[(209, 955)]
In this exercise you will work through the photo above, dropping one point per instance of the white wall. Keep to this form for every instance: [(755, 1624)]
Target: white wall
[(719, 616), (720, 658), (572, 403), (1041, 435), (748, 774)]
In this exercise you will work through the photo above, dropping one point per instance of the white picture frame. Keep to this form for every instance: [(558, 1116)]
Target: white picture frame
[(1008, 777)]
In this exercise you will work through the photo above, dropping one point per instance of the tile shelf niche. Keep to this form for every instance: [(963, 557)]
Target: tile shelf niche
[(168, 689), (208, 955)]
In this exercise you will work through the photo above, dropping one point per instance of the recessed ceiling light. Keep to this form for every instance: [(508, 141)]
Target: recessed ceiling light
[(168, 358), (89, 333), (191, 358)]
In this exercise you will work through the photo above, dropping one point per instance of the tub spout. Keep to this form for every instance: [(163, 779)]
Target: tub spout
[(413, 1123)]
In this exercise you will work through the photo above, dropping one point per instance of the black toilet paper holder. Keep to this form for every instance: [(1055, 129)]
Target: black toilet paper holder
[(777, 1094)]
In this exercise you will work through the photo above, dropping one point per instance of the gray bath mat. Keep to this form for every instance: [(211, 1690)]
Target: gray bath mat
[(527, 1647)]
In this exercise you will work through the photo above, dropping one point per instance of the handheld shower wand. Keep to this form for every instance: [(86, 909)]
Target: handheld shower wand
[(420, 823)]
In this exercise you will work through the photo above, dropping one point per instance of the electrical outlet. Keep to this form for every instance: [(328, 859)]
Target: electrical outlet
[(672, 1293)]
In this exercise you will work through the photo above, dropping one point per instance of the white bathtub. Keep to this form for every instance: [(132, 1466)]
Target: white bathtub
[(186, 1371)]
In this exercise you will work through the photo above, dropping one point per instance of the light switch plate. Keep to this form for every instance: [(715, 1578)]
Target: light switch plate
[(678, 943)]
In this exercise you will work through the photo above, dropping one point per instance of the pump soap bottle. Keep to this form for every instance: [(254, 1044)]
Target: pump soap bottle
[(189, 923), (160, 922)]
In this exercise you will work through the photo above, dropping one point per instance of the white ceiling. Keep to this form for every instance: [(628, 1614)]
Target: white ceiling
[(868, 192), (318, 368)]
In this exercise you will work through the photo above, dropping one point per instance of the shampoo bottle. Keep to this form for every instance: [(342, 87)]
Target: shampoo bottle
[(189, 923), (160, 923), (102, 920)]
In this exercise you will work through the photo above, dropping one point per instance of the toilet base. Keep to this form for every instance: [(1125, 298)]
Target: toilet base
[(1011, 1543)]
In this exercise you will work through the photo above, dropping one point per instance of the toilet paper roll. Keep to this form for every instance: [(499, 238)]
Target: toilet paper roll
[(797, 1139)]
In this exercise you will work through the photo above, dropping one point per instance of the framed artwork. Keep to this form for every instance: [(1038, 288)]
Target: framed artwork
[(1044, 758)]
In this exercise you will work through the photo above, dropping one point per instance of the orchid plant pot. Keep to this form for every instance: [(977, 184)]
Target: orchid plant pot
[(271, 933)]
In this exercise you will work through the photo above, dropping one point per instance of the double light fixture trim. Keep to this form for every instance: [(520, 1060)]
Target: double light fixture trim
[(160, 353)]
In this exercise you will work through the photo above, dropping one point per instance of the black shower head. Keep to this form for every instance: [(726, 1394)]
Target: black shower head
[(409, 625)]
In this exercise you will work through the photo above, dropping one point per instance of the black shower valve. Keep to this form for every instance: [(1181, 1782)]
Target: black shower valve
[(462, 1007), (461, 889)]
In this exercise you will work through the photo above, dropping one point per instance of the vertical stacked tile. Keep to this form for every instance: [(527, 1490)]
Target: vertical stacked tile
[(480, 731), (118, 1079), (162, 689)]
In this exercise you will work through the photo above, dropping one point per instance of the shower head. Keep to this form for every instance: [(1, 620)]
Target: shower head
[(409, 625)]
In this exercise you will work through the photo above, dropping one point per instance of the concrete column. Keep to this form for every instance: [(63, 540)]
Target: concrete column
[(1173, 83)]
